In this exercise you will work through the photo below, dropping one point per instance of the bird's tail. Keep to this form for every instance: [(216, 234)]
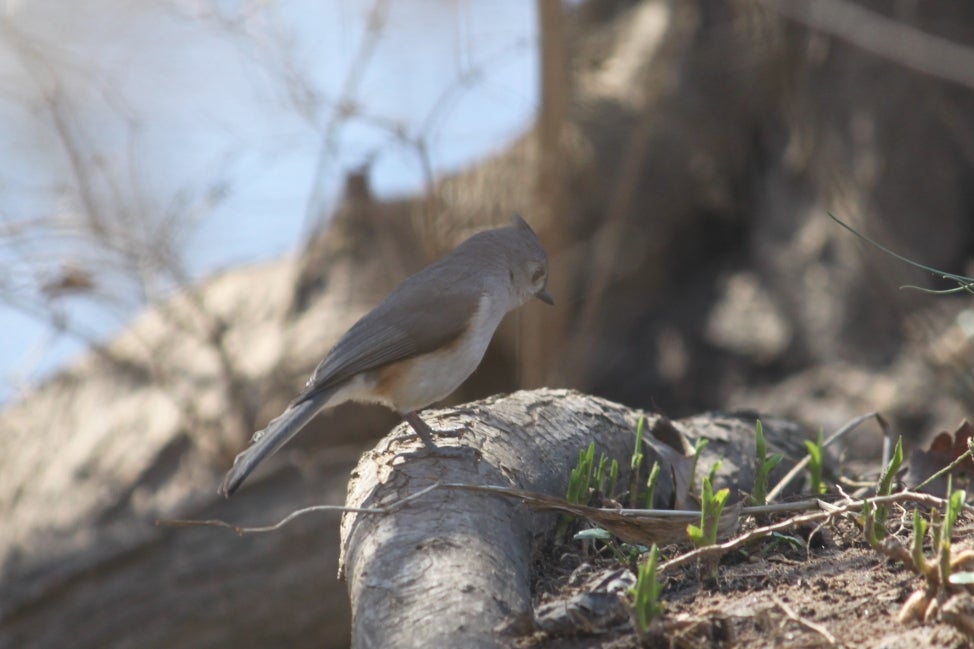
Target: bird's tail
[(266, 442)]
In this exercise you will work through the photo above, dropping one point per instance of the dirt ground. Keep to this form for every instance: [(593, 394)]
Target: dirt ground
[(837, 593)]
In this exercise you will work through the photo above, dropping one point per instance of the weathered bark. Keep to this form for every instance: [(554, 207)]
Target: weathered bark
[(453, 567)]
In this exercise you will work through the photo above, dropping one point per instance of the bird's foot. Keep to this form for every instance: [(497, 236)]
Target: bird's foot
[(430, 449), (455, 433), (444, 452)]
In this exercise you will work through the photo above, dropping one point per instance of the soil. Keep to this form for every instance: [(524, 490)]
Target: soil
[(834, 592)]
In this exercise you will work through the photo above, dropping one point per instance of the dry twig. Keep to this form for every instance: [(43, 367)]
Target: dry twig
[(241, 531)]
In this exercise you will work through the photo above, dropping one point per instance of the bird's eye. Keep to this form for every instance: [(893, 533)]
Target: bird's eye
[(537, 276)]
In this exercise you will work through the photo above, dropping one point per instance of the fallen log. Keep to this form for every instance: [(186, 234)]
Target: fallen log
[(453, 568)]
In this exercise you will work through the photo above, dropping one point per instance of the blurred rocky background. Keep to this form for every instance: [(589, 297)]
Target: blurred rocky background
[(680, 168)]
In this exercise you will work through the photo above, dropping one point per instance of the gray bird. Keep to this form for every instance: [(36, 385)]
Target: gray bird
[(420, 343)]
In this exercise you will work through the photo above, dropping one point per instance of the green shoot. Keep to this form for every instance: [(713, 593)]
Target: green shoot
[(581, 477), (763, 466), (698, 447), (585, 477), (945, 572), (815, 455), (600, 473), (579, 482), (889, 473), (636, 463), (712, 505), (955, 502), (943, 556), (613, 478), (715, 467), (936, 528), (651, 486), (869, 523), (920, 526), (885, 487), (647, 591)]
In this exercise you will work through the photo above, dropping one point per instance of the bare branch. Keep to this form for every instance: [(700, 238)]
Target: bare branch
[(242, 531)]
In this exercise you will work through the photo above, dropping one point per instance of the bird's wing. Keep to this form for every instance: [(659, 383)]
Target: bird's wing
[(413, 320)]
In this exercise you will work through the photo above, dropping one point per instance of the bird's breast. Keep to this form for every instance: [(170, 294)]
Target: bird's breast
[(417, 382)]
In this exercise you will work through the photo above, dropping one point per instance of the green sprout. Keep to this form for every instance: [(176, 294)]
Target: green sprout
[(955, 502), (636, 462), (885, 487), (763, 467), (579, 483), (714, 468), (698, 447), (920, 526), (941, 527), (647, 591), (585, 477), (580, 479), (711, 506), (651, 486), (936, 527), (600, 473), (815, 455), (613, 478), (869, 524), (945, 573), (954, 505)]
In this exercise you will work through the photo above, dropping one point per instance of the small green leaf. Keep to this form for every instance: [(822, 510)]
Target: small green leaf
[(647, 591), (593, 534), (792, 540)]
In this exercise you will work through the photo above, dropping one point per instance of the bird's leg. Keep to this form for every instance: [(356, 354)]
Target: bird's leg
[(422, 429)]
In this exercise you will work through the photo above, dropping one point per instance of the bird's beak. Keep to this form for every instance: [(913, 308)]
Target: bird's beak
[(545, 296)]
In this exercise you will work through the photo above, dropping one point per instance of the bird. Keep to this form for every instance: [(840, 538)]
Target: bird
[(420, 342)]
